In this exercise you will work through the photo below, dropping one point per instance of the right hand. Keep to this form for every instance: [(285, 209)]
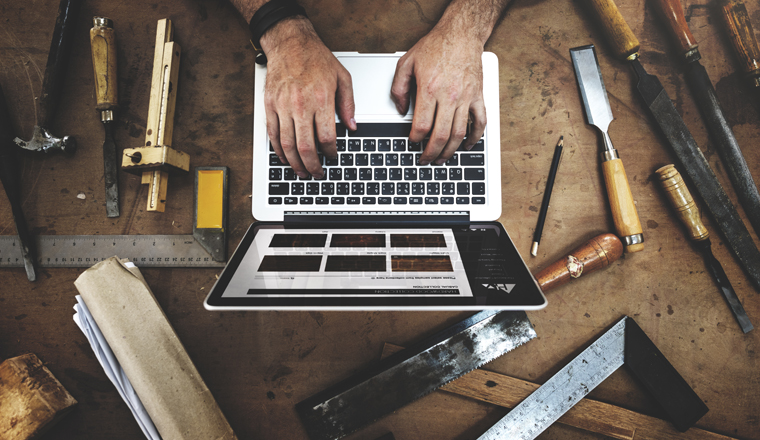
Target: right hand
[(305, 83)]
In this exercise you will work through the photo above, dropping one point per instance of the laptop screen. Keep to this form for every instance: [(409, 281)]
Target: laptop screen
[(411, 268)]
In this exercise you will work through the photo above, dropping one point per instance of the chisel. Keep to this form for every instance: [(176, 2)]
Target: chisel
[(626, 46), (704, 94), (599, 114), (103, 44), (679, 195), (744, 42)]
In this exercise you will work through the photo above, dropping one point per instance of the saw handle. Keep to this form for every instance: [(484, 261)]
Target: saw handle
[(624, 213), (597, 253), (103, 44), (742, 37), (680, 197), (624, 42), (671, 12)]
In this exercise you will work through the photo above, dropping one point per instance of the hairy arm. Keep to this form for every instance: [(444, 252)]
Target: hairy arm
[(445, 65), (305, 84)]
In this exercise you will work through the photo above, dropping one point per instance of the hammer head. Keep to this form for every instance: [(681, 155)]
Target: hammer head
[(43, 140)]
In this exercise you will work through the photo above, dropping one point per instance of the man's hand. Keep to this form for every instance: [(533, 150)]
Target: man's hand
[(446, 65), (305, 83)]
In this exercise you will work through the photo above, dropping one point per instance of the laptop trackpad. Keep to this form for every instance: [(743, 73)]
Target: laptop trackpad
[(372, 77)]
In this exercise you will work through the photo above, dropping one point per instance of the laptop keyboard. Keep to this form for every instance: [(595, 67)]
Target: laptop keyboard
[(378, 165)]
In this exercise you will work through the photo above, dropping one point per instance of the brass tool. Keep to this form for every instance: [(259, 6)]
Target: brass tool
[(157, 157), (679, 195), (103, 45)]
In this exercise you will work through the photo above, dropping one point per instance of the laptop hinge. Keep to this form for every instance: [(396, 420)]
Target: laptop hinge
[(374, 219)]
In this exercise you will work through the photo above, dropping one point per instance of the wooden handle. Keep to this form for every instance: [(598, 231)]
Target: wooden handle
[(621, 202), (624, 43), (679, 195), (742, 36), (597, 253), (672, 12), (103, 44)]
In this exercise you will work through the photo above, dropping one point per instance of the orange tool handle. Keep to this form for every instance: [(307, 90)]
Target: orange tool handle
[(597, 253), (103, 45), (624, 213), (624, 43), (671, 12)]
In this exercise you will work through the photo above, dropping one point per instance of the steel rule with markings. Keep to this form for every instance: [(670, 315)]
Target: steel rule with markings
[(205, 247)]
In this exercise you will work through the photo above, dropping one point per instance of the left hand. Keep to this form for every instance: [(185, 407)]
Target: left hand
[(448, 71)]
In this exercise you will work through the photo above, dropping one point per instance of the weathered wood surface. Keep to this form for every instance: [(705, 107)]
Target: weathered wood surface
[(258, 365)]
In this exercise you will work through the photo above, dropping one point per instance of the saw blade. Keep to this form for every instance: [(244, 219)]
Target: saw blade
[(413, 373), (560, 393)]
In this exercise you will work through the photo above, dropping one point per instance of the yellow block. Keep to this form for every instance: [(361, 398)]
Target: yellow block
[(210, 203)]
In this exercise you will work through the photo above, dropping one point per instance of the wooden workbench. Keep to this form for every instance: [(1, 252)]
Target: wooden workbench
[(258, 365)]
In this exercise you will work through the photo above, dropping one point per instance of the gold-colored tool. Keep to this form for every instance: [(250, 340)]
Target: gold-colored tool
[(157, 157)]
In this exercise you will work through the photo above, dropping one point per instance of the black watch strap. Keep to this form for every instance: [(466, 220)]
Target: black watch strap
[(269, 14)]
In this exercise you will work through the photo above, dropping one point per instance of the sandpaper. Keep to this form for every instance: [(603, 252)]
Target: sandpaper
[(151, 354)]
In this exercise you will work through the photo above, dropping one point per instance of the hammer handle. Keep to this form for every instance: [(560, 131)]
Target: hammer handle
[(671, 12), (103, 45), (742, 37), (624, 42), (58, 59), (597, 253)]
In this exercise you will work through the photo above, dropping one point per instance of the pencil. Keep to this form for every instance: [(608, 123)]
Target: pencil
[(547, 196)]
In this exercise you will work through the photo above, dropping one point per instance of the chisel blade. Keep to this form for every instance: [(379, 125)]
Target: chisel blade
[(413, 373), (110, 169), (696, 167), (594, 94)]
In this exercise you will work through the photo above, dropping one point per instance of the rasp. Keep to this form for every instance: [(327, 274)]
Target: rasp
[(681, 141), (704, 94), (599, 114), (679, 195), (623, 344), (103, 45), (412, 373), (743, 41)]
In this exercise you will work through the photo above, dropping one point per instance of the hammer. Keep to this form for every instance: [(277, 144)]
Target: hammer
[(60, 50), (10, 179)]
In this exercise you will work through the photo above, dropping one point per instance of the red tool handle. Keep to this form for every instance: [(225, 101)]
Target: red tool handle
[(671, 11), (597, 253)]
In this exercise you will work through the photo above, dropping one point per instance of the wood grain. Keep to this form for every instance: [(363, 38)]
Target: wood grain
[(671, 12), (624, 213), (742, 35), (103, 45), (621, 37)]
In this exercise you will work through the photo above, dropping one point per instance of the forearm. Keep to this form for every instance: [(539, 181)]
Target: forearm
[(473, 18), (290, 28)]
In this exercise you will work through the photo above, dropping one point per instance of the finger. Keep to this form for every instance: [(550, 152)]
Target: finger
[(478, 112), (307, 150), (324, 122), (458, 131), (424, 115), (402, 84), (289, 149), (441, 133), (344, 99), (273, 131)]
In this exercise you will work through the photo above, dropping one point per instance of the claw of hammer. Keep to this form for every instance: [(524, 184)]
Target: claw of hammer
[(43, 140)]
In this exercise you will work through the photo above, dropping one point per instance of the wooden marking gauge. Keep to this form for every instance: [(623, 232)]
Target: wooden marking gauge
[(157, 157)]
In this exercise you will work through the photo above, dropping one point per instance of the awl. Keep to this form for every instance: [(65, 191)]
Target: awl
[(743, 41), (704, 93), (695, 165), (599, 114), (103, 45), (678, 194)]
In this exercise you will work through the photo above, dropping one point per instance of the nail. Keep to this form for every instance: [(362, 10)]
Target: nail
[(440, 161), (302, 175), (353, 123), (469, 147), (283, 160), (424, 162)]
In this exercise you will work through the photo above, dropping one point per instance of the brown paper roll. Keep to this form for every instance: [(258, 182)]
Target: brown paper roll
[(152, 356)]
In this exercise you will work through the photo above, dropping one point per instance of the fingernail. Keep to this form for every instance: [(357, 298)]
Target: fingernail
[(440, 161), (283, 160), (469, 147), (318, 176), (302, 175), (353, 122), (424, 162)]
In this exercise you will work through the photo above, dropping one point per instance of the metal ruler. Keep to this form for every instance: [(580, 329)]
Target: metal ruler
[(560, 393), (205, 247), (86, 250)]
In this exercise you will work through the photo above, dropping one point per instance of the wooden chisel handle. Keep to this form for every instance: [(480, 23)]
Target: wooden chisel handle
[(624, 214), (678, 194), (672, 12), (742, 37), (624, 43), (597, 253), (103, 44)]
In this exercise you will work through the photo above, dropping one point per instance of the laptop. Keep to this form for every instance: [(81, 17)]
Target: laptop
[(379, 231)]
